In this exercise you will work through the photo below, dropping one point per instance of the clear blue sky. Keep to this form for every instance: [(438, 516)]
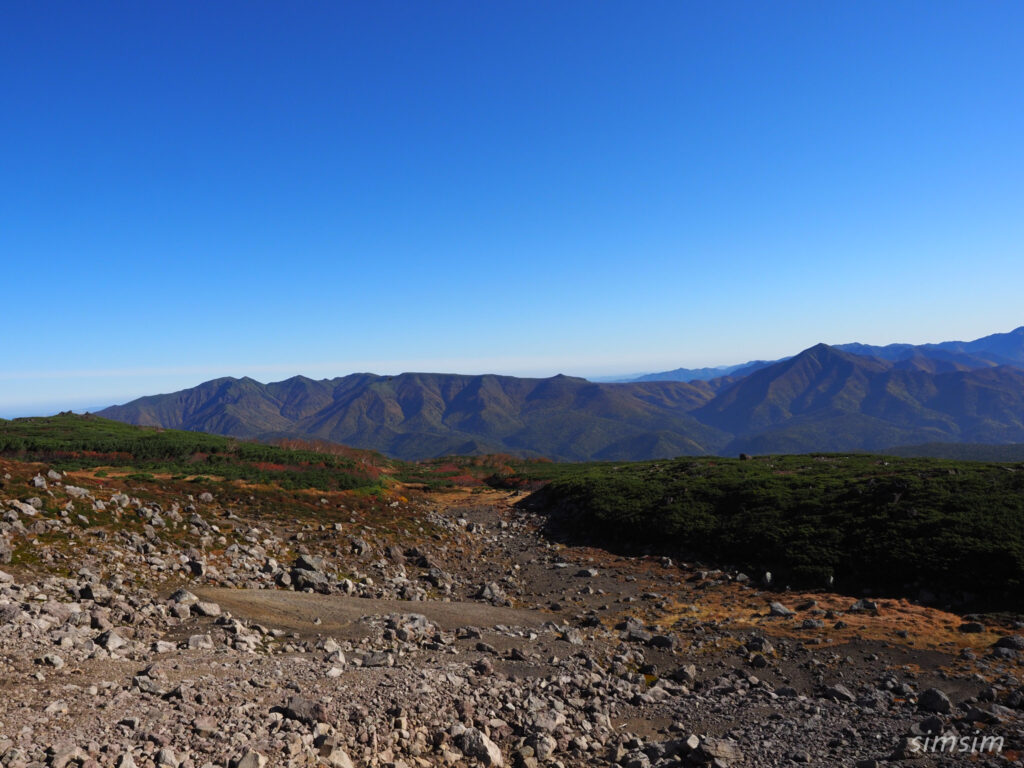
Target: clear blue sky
[(189, 190)]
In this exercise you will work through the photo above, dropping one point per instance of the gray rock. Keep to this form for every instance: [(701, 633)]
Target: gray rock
[(548, 721), (23, 508), (543, 745), (864, 605), (306, 579), (492, 592), (934, 700), (97, 593), (478, 746), (724, 750), (166, 758), (111, 640), (839, 692), (572, 636), (359, 546), (304, 710), (205, 725), (200, 642), (1013, 642), (251, 759), (9, 613), (637, 635), (338, 758), (309, 563), (377, 659), (64, 754), (204, 608), (908, 748), (184, 597)]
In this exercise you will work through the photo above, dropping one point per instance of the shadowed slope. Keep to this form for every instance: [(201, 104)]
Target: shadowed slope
[(421, 415)]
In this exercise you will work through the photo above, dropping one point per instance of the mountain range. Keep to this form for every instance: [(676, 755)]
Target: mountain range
[(988, 351), (842, 398)]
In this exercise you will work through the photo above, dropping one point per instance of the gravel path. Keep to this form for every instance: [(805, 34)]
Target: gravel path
[(340, 615)]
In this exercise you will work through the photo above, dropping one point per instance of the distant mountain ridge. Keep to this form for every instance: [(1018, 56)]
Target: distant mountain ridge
[(988, 351), (421, 415), (827, 399), (823, 399), (705, 374)]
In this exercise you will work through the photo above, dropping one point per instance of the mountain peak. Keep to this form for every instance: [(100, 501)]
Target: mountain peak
[(819, 348), (822, 353)]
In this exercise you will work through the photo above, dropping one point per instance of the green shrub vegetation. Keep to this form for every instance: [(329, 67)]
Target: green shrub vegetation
[(70, 442), (891, 526)]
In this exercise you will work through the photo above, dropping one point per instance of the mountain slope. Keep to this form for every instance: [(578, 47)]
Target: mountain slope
[(422, 415), (825, 399), (817, 379)]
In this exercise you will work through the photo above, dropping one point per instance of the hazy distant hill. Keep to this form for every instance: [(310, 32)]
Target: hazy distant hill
[(823, 399), (706, 374), (989, 351)]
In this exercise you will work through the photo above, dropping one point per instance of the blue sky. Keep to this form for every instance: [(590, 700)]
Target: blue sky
[(193, 190)]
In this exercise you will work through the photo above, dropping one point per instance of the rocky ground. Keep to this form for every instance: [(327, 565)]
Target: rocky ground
[(143, 624)]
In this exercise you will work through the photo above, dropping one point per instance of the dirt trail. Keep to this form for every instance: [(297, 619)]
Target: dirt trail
[(339, 615)]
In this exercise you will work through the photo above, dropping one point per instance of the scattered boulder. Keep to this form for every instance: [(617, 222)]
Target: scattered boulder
[(478, 746), (314, 580), (205, 608), (492, 592), (1012, 642), (863, 605), (839, 692), (309, 563), (304, 710), (250, 759), (934, 700)]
